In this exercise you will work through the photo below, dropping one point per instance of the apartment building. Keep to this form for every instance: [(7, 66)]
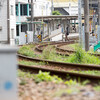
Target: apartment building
[(7, 21), (23, 10)]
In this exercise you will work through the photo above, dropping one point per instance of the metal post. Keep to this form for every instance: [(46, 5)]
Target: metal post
[(28, 10), (52, 7), (98, 12), (19, 13), (8, 22), (32, 17), (98, 29), (79, 21), (86, 18)]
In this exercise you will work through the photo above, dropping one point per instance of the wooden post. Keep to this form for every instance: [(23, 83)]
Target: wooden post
[(86, 18)]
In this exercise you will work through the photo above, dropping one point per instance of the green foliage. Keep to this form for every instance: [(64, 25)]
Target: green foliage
[(67, 91), (42, 76), (21, 74), (85, 82), (27, 51), (45, 76), (73, 46), (71, 83), (93, 72), (49, 53), (56, 12), (31, 63), (23, 82), (82, 57), (97, 87)]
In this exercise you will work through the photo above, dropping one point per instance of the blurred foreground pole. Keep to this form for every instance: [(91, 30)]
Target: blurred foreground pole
[(86, 23), (80, 21), (8, 73)]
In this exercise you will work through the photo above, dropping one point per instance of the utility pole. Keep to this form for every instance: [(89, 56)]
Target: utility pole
[(98, 29), (32, 17), (86, 22), (52, 7), (98, 12), (80, 21), (8, 23)]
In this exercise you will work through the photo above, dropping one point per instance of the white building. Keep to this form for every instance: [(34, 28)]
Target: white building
[(7, 21), (23, 10)]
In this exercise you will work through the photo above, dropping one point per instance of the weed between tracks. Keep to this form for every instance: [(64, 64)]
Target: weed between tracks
[(93, 72), (49, 53), (27, 50), (82, 57), (31, 63), (46, 77)]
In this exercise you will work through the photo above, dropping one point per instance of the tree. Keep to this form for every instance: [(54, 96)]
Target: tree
[(56, 12)]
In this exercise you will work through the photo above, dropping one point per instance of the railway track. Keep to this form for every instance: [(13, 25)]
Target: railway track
[(71, 51), (40, 48), (63, 65)]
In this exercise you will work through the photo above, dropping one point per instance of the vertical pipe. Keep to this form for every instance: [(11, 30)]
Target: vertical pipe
[(8, 22), (79, 21), (98, 29), (27, 9), (52, 7), (32, 17), (19, 13), (86, 17), (98, 12)]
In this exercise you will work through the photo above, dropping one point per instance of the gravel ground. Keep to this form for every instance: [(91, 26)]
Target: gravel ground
[(53, 91)]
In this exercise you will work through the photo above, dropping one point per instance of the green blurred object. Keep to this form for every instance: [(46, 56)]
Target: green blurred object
[(96, 47)]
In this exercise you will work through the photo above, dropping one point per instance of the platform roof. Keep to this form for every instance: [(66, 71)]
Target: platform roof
[(56, 17)]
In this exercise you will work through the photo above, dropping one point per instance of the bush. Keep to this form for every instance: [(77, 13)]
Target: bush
[(56, 12), (82, 57), (27, 51)]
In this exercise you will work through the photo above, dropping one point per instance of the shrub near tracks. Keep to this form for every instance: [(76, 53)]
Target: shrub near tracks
[(49, 53)]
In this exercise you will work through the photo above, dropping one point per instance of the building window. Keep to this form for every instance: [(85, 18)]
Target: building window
[(23, 28), (16, 9), (17, 30), (23, 9), (12, 10), (12, 33), (29, 9)]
